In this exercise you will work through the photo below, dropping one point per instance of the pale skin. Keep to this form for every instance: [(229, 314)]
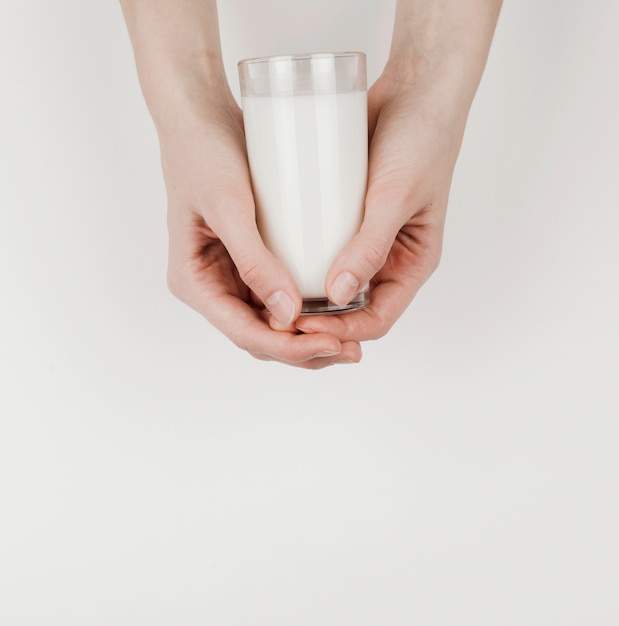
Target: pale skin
[(218, 264)]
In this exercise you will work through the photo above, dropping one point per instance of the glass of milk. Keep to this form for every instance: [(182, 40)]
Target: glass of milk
[(306, 130)]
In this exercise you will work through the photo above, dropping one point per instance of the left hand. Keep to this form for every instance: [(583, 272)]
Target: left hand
[(413, 151)]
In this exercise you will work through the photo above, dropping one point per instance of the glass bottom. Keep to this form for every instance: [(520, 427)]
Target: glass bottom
[(320, 306)]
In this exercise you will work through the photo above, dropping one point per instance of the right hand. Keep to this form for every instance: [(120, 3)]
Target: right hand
[(218, 264)]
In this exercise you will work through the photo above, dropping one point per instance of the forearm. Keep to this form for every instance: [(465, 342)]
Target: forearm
[(440, 49), (178, 55)]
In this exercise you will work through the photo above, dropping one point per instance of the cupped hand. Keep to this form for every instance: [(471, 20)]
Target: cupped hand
[(218, 264), (413, 151)]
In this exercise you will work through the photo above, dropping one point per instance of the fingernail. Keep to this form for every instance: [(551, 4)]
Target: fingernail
[(344, 288), (326, 353), (281, 307)]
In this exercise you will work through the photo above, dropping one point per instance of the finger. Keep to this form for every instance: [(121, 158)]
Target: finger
[(246, 328), (362, 258), (388, 300), (350, 350), (206, 282), (351, 354), (275, 324), (258, 268)]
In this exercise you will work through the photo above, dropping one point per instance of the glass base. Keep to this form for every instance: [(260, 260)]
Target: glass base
[(320, 306)]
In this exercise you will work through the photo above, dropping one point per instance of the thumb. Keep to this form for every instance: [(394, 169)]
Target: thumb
[(360, 260), (263, 273)]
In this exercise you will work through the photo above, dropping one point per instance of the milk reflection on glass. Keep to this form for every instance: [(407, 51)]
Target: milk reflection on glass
[(305, 122)]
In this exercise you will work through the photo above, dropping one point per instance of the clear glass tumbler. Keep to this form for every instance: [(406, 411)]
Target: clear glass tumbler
[(306, 130)]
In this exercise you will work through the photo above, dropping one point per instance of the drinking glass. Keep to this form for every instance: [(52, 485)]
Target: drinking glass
[(306, 130)]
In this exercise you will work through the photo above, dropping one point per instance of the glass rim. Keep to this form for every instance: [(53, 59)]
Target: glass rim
[(300, 56)]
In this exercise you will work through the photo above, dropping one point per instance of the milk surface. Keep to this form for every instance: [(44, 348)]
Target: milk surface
[(308, 162)]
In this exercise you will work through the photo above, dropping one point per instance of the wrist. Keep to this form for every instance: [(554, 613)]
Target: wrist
[(185, 90), (439, 50), (178, 57), (439, 94)]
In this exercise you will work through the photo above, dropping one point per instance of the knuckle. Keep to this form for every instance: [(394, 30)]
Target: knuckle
[(175, 282), (376, 253), (381, 324), (381, 330), (249, 271), (257, 355), (434, 262), (432, 259)]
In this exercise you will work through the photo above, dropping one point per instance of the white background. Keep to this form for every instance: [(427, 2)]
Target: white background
[(466, 472)]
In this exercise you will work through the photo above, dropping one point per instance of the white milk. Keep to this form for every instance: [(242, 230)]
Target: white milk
[(308, 161)]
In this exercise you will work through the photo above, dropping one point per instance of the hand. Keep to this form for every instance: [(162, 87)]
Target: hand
[(218, 264), (411, 161)]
